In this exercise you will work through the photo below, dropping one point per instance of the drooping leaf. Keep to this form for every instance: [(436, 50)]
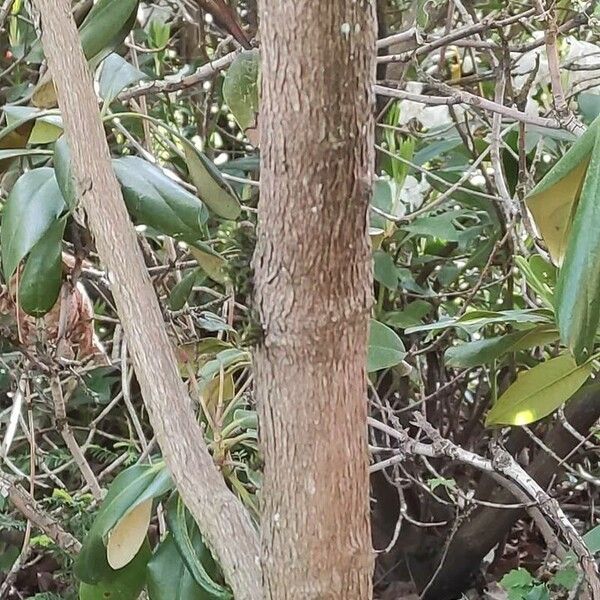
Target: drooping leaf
[(62, 170), (128, 535), (385, 347), (539, 391), (124, 584), (472, 354), (211, 262), (212, 188), (46, 129), (154, 199), (33, 205), (40, 282), (169, 578), (130, 489), (241, 92), (385, 270), (106, 26), (181, 292), (116, 75), (577, 294), (554, 200), (194, 553)]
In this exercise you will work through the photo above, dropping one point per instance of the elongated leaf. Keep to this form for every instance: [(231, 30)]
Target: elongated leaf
[(539, 392), (214, 191), (385, 347), (480, 352), (106, 26), (33, 205), (554, 200), (241, 91), (124, 584), (154, 199), (578, 287), (17, 152), (540, 276), (169, 578), (62, 170), (211, 262), (40, 282), (130, 489), (181, 292), (46, 129), (127, 536), (192, 549), (116, 75)]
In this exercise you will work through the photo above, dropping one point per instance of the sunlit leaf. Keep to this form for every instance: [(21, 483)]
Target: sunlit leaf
[(553, 201), (127, 536), (577, 294), (538, 392)]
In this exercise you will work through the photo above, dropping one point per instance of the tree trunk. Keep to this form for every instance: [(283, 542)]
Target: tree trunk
[(220, 516), (313, 293)]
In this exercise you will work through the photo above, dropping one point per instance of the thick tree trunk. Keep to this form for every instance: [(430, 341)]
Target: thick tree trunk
[(313, 291), (221, 517)]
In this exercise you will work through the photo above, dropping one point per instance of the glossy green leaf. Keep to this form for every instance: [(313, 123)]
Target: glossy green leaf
[(62, 170), (40, 282), (130, 488), (106, 26), (385, 347), (472, 354), (33, 205), (211, 262), (125, 584), (168, 577), (241, 89), (538, 392), (116, 75), (194, 553), (577, 293), (212, 188), (156, 200), (553, 202)]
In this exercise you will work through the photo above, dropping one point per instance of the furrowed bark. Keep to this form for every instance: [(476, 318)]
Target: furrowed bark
[(313, 292), (221, 517)]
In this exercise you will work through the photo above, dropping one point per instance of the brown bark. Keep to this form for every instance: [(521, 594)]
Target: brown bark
[(313, 287), (221, 517)]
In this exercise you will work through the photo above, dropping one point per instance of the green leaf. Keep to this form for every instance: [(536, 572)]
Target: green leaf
[(125, 584), (130, 488), (554, 200), (106, 26), (409, 317), (440, 226), (47, 128), (473, 354), (33, 205), (17, 152), (212, 188), (193, 551), (116, 75), (385, 347), (539, 392), (211, 262), (40, 283), (156, 200), (517, 578), (578, 288), (181, 292), (385, 271), (168, 577), (540, 276), (241, 91), (62, 170)]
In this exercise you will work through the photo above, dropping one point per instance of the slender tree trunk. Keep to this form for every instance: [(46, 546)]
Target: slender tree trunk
[(313, 292), (221, 517)]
